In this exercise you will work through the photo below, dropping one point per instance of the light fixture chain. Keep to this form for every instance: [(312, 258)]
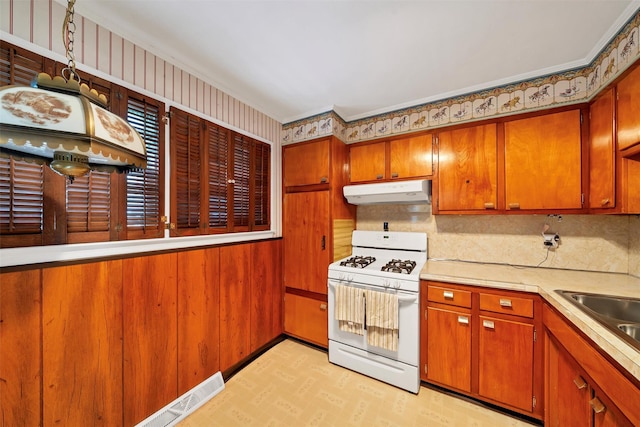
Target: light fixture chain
[(68, 37)]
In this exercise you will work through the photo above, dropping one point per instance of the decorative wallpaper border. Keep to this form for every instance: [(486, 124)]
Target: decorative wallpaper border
[(569, 87)]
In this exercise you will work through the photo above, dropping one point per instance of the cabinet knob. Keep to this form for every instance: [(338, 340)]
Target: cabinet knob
[(597, 405), (378, 176), (464, 320), (323, 306), (514, 205), (580, 382), (604, 202), (394, 175), (323, 180), (489, 206)]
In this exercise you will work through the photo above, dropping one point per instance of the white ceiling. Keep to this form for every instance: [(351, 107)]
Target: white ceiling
[(292, 59)]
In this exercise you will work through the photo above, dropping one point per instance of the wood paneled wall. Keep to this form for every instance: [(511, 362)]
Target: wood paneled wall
[(40, 22), (108, 343)]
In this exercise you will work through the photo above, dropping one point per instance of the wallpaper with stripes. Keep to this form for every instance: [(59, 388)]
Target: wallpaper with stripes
[(39, 22)]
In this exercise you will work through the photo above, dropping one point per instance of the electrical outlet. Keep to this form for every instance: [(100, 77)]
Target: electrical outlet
[(551, 241)]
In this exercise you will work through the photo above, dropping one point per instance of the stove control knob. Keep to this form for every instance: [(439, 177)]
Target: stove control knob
[(350, 278), (341, 277), (397, 284), (385, 283)]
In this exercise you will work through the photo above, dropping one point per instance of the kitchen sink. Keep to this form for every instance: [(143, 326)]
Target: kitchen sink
[(621, 315)]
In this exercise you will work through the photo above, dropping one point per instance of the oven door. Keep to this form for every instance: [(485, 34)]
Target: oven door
[(408, 326)]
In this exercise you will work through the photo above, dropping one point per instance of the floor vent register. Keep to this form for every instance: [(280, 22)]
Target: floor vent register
[(180, 408)]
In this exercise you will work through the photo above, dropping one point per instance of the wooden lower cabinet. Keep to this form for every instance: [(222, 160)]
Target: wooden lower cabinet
[(449, 362), (583, 388), (482, 342), (306, 317), (505, 360)]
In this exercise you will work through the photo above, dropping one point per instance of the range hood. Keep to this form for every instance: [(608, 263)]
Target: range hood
[(410, 192)]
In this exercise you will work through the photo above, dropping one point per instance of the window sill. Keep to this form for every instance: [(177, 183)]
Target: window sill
[(11, 257)]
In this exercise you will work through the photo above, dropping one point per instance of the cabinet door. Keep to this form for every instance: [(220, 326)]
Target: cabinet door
[(306, 318), (467, 169), (602, 153), (235, 304), (543, 162), (567, 391), (198, 316), (449, 348), (306, 163), (306, 231), (629, 110), (266, 292), (411, 157), (368, 162), (150, 335), (506, 362)]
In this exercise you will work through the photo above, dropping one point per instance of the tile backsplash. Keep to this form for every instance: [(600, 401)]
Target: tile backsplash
[(609, 243)]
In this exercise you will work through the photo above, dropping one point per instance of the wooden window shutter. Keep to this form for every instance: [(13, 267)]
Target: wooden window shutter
[(185, 172), (144, 201), (218, 172), (21, 182), (89, 208), (262, 185), (241, 164)]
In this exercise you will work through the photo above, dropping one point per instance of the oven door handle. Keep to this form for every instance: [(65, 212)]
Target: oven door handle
[(408, 299)]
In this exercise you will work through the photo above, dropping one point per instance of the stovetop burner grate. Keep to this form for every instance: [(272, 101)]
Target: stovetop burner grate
[(358, 261), (399, 266)]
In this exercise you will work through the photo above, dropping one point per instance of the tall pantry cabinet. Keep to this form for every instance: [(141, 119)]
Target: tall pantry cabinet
[(317, 225)]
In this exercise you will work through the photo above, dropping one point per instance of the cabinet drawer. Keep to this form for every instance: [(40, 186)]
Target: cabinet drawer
[(449, 296), (306, 318), (507, 305)]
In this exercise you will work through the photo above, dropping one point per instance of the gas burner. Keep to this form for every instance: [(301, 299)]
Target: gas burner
[(358, 261), (399, 266)]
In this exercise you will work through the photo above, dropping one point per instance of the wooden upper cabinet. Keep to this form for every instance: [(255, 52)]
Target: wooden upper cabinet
[(602, 159), (401, 158), (368, 162), (467, 176), (543, 162), (306, 163), (629, 110), (411, 157)]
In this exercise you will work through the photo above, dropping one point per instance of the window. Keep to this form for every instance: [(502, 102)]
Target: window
[(39, 207), (220, 178)]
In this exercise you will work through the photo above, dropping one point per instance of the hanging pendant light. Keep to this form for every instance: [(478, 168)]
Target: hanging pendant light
[(60, 121)]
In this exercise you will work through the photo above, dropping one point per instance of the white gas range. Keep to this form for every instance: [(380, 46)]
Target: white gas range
[(387, 264)]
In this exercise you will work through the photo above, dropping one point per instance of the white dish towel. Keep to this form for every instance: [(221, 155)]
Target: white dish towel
[(349, 309), (382, 319)]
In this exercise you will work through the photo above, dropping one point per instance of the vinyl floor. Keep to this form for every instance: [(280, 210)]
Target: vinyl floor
[(293, 384)]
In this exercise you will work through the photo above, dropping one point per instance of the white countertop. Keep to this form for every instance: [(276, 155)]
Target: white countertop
[(544, 281)]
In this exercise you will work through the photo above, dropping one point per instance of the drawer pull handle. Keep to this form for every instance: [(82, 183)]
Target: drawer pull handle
[(378, 176), (505, 302), (597, 405), (394, 175), (580, 382), (489, 206), (463, 320), (323, 306), (323, 180), (488, 324), (448, 294), (605, 202), (514, 205)]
